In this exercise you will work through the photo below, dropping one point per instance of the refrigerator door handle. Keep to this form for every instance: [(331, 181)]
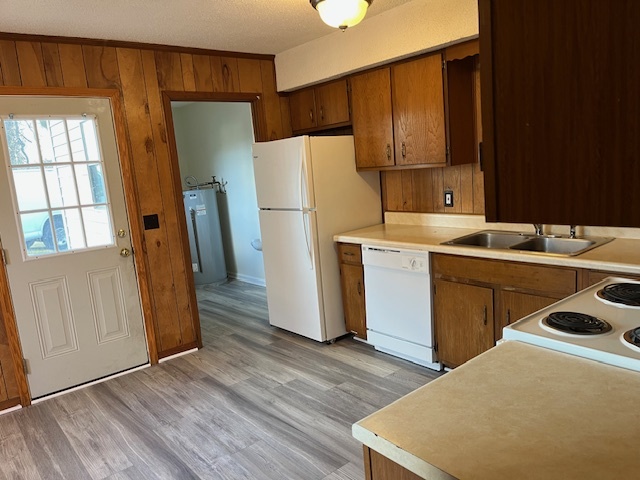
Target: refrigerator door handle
[(303, 182), (192, 212), (307, 239)]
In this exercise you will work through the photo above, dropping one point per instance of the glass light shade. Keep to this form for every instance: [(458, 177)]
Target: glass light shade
[(342, 13)]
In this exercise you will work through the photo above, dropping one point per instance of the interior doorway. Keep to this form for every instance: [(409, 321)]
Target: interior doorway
[(214, 149)]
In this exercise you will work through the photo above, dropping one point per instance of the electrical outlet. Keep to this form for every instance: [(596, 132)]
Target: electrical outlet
[(448, 198)]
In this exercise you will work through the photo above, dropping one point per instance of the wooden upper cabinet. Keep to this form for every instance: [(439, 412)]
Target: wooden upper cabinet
[(320, 107), (332, 103), (418, 112), (372, 118), (303, 110), (560, 111), (462, 97)]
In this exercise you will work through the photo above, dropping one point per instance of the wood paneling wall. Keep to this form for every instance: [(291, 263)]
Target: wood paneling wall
[(141, 73), (423, 190)]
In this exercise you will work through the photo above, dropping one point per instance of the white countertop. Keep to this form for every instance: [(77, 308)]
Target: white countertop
[(517, 411), (620, 255)]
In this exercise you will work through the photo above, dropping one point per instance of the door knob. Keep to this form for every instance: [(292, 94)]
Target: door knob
[(125, 252), (122, 233)]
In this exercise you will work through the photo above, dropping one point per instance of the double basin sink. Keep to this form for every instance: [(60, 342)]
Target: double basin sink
[(542, 244)]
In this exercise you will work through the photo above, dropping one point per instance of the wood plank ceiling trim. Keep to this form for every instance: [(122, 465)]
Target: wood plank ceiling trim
[(125, 44)]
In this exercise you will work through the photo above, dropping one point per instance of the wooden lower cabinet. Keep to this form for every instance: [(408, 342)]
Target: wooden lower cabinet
[(591, 277), (352, 283), (465, 321), (515, 305), (379, 467), (474, 299)]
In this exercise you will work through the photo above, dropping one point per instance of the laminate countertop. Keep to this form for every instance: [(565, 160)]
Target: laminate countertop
[(620, 255), (515, 412)]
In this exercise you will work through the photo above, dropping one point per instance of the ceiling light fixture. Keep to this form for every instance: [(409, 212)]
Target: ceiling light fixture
[(341, 13)]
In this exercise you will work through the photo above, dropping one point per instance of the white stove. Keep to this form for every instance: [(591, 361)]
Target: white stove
[(587, 325)]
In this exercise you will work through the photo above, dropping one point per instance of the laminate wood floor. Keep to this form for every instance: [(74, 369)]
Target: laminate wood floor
[(255, 403)]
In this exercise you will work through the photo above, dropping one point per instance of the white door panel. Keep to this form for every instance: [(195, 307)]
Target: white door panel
[(75, 298), (283, 174), (289, 246)]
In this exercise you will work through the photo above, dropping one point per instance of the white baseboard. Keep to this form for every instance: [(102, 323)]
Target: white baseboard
[(248, 279)]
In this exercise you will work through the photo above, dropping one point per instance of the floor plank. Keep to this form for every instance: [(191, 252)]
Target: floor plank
[(256, 402)]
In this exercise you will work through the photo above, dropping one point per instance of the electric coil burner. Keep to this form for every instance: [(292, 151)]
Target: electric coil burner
[(621, 294), (632, 337), (576, 323)]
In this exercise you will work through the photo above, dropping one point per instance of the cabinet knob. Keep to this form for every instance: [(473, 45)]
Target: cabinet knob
[(404, 150), (388, 152)]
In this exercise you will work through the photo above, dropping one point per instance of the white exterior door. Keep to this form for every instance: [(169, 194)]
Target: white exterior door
[(64, 230)]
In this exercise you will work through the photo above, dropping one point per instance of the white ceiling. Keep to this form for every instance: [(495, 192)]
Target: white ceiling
[(255, 26)]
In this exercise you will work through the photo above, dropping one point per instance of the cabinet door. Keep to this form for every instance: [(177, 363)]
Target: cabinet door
[(332, 103), (418, 112), (303, 109), (560, 106), (372, 118), (463, 321), (514, 306), (353, 299)]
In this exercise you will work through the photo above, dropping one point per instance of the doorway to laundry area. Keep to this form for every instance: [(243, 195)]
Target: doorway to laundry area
[(213, 142)]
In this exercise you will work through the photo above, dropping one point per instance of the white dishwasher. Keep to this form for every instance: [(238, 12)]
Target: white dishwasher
[(398, 303)]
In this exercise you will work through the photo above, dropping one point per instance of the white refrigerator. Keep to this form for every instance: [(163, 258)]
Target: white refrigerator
[(308, 190)]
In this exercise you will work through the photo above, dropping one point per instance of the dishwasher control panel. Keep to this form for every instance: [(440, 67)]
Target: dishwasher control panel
[(414, 264)]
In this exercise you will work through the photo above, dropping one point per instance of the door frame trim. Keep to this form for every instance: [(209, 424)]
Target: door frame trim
[(135, 226), (259, 130)]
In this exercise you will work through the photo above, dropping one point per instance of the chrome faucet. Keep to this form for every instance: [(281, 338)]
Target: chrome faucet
[(538, 227), (572, 231)]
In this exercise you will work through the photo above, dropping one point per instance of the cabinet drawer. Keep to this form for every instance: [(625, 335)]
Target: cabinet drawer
[(595, 276), (551, 280), (350, 253)]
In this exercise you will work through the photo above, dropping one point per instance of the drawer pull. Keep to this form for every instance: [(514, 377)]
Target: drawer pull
[(359, 289), (404, 150), (388, 152), (349, 254), (508, 316), (484, 316)]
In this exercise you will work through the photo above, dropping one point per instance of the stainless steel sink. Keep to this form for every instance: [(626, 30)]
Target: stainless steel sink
[(490, 239), (545, 244), (560, 245)]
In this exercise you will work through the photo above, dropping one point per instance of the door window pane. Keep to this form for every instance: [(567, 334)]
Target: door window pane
[(91, 183), (84, 141), (54, 144), (35, 228), (29, 188), (68, 229), (21, 142), (59, 184), (97, 224)]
